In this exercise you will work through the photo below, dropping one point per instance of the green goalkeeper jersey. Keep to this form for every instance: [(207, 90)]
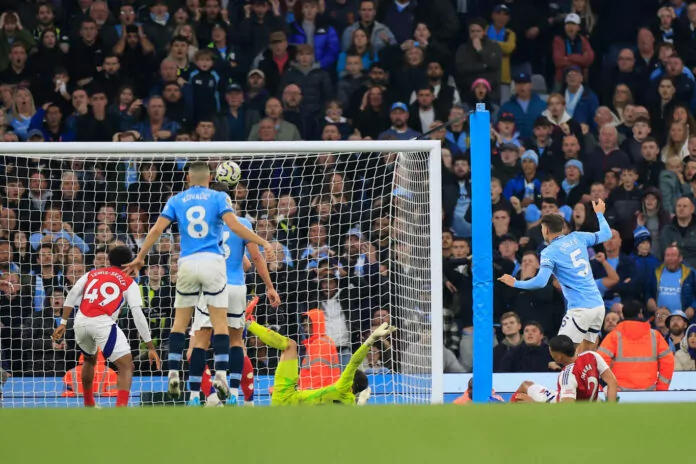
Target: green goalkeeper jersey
[(285, 388)]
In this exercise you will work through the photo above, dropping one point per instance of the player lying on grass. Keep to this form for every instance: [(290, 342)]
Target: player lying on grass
[(351, 388), (100, 294), (578, 381), (566, 257)]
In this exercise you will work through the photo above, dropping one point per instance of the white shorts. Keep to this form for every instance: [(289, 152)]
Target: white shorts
[(541, 394), (201, 274), (103, 333), (236, 306), (583, 324)]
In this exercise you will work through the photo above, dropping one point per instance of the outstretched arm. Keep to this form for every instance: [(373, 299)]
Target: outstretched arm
[(152, 237), (539, 281), (345, 383), (242, 232)]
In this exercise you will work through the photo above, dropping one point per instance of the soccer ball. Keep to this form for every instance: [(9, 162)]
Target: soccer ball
[(228, 173)]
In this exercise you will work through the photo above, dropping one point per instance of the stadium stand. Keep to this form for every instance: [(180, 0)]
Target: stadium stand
[(589, 99)]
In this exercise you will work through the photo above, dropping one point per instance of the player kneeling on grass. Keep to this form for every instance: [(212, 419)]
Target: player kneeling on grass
[(578, 381), (351, 388), (100, 294)]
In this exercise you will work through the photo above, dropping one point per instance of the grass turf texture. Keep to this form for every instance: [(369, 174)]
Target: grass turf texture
[(569, 433)]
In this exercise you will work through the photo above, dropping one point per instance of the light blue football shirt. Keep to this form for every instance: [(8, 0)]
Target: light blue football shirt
[(566, 257), (198, 211), (234, 248)]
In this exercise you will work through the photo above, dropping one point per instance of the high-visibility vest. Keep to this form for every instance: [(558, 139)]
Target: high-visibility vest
[(104, 380), (639, 356), (320, 366)]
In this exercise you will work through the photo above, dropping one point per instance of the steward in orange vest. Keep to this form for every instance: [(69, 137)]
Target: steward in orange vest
[(639, 356), (320, 367), (104, 379)]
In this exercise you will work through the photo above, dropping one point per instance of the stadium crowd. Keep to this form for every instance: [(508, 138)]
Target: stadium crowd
[(589, 99)]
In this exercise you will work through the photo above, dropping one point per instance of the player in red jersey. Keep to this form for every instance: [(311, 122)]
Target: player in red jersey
[(579, 379), (100, 294)]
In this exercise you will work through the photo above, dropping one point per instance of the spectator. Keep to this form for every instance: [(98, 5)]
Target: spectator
[(283, 130), (511, 327), (256, 95), (54, 229), (526, 185), (639, 356), (606, 156), (316, 31), (156, 127), (399, 130), (256, 29), (633, 146), (507, 40), (654, 217), (295, 113), (532, 355), (159, 26), (206, 85), (479, 58), (571, 48), (239, 119), (314, 81), (361, 47), (672, 285), (275, 61), (11, 31), (581, 102), (379, 34), (525, 105), (685, 357), (86, 54), (23, 110), (96, 125), (50, 122), (423, 113)]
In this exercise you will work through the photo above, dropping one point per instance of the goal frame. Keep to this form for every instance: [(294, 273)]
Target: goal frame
[(432, 147)]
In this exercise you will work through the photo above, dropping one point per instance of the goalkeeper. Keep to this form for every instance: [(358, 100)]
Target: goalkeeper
[(351, 387)]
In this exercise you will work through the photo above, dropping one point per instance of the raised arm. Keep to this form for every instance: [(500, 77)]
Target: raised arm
[(152, 236), (345, 382), (604, 233), (262, 269)]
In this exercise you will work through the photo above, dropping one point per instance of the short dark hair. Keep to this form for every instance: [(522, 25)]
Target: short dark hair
[(632, 309), (651, 140), (360, 382), (178, 38), (534, 324), (101, 249), (120, 255), (562, 344), (220, 187), (549, 200), (553, 222), (642, 119)]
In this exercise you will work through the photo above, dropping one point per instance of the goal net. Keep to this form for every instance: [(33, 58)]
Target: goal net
[(355, 226)]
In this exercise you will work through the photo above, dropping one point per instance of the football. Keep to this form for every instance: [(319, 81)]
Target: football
[(229, 173)]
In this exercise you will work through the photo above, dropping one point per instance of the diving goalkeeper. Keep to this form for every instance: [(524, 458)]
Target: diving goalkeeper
[(351, 388)]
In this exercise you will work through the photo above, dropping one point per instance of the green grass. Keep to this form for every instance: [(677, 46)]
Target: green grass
[(516, 434)]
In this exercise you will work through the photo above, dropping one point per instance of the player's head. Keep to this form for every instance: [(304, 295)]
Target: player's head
[(551, 226), (120, 255), (360, 382), (199, 173), (220, 187), (632, 310), (562, 348)]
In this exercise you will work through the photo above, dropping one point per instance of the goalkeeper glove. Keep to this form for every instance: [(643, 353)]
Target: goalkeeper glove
[(380, 332), (363, 397)]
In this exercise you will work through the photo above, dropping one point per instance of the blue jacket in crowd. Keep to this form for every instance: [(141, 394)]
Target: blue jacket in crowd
[(326, 43), (524, 121)]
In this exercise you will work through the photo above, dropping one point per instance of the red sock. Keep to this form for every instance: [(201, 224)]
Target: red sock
[(88, 397), (247, 383), (122, 398)]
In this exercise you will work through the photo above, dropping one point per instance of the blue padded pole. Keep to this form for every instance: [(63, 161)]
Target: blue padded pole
[(482, 251)]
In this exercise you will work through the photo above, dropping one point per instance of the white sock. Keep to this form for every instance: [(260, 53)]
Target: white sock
[(173, 374), (221, 376), (234, 391)]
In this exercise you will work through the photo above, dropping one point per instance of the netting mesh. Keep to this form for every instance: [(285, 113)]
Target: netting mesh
[(352, 239)]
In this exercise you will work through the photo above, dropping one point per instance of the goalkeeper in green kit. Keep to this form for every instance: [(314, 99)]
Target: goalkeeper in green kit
[(351, 388)]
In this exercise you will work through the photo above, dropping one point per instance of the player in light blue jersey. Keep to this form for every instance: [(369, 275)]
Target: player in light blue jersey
[(566, 257), (200, 213), (233, 247)]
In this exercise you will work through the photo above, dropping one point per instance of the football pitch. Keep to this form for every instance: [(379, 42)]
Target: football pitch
[(569, 433)]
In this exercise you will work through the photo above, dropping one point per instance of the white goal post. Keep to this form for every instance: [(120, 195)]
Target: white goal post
[(410, 255)]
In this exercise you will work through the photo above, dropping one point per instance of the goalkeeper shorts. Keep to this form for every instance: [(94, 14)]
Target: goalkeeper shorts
[(287, 376)]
